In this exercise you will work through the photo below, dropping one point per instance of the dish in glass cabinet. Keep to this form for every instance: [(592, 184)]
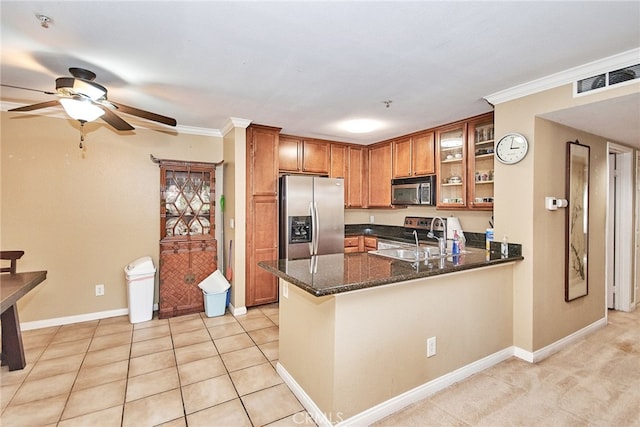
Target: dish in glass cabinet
[(181, 203), (200, 226), (196, 203), (172, 209), (204, 194), (176, 227), (171, 194)]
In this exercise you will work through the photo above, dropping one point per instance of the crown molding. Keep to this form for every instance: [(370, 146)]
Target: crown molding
[(191, 130), (621, 60), (235, 122)]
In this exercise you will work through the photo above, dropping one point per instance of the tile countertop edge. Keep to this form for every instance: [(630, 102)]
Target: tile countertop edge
[(337, 289)]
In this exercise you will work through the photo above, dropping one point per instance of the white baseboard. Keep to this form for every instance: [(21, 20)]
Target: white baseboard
[(543, 353), (394, 404), (58, 321), (237, 311)]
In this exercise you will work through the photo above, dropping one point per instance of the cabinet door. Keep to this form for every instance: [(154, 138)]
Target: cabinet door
[(380, 172), (263, 158), (355, 179), (451, 167), (184, 264), (370, 244), (262, 286), (423, 152), (315, 156), (289, 149), (338, 163), (352, 244), (187, 200), (402, 155), (480, 163)]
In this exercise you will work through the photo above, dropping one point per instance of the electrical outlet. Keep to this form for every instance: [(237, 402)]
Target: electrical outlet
[(99, 290), (431, 346), (285, 290), (372, 219)]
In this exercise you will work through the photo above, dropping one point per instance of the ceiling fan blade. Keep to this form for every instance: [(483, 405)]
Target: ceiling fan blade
[(46, 92), (112, 118), (37, 106), (145, 114)]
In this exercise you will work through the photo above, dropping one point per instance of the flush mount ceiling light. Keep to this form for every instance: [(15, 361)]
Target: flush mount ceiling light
[(361, 125)]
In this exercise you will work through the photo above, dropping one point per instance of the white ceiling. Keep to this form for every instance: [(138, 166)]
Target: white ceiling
[(307, 66)]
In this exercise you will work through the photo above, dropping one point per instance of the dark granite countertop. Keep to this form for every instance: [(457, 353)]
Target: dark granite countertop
[(333, 274)]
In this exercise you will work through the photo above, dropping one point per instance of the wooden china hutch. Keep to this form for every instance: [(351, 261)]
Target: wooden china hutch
[(188, 247)]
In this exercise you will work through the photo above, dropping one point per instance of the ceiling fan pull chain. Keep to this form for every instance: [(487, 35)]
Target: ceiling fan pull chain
[(81, 132)]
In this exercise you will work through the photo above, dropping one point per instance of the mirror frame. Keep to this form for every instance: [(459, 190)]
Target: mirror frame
[(577, 221)]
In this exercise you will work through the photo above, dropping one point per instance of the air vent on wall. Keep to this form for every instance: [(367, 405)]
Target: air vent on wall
[(608, 79)]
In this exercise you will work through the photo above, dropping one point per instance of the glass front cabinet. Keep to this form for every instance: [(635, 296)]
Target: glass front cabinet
[(451, 167), (464, 164), (480, 163), (188, 248)]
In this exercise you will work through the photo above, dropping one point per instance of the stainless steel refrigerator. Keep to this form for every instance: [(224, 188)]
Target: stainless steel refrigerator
[(311, 216)]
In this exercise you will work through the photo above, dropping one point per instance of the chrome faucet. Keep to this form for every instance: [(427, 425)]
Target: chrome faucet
[(442, 241), (415, 234)]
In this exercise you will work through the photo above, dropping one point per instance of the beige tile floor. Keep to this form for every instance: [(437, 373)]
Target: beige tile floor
[(200, 371), (189, 370), (593, 382)]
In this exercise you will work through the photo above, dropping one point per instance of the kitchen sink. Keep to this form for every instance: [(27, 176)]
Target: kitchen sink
[(426, 252), (401, 254)]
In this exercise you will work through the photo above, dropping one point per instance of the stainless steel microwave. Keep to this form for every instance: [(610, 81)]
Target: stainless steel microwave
[(414, 191)]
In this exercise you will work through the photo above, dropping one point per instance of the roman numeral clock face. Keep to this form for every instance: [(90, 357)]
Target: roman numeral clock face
[(511, 148)]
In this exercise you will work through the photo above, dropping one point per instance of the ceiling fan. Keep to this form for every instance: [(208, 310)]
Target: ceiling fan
[(85, 101)]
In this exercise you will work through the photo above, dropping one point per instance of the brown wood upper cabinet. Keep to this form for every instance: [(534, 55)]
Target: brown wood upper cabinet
[(303, 155), (348, 162), (380, 173), (413, 155)]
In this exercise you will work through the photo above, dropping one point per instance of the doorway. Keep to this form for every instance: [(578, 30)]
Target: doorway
[(621, 232)]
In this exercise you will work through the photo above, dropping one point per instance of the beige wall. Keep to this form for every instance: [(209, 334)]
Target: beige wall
[(82, 215), (369, 346), (540, 314), (553, 318), (235, 209)]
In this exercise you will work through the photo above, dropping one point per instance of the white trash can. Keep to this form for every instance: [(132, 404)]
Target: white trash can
[(140, 275), (215, 288)]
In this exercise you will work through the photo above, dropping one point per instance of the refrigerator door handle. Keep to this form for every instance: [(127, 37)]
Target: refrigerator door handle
[(313, 230), (316, 223)]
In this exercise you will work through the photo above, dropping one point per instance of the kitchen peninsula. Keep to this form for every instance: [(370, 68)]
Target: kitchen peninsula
[(354, 328)]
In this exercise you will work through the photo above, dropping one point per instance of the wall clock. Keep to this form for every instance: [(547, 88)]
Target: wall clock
[(511, 148)]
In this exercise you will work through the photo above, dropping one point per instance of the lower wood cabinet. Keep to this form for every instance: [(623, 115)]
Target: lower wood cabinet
[(353, 244), (184, 264), (370, 243), (360, 244)]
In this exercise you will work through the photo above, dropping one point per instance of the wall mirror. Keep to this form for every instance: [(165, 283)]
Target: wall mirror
[(577, 221)]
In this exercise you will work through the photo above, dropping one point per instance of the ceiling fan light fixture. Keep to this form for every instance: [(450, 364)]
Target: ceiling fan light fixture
[(69, 86), (81, 110)]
